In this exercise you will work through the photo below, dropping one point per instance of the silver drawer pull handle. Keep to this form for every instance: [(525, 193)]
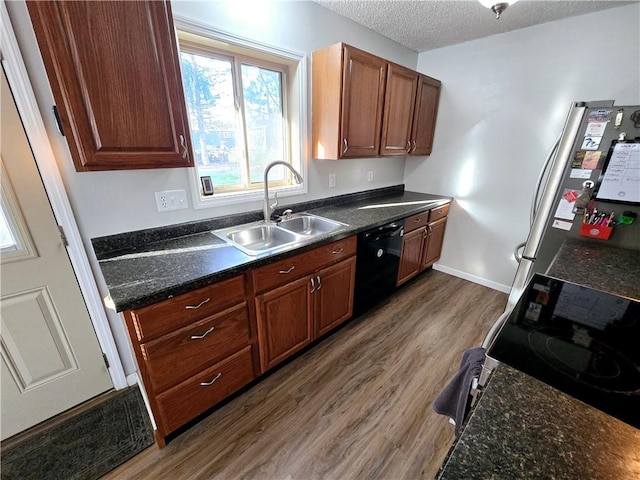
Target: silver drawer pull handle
[(313, 285), (319, 282), (200, 337), (337, 251), (345, 146), (417, 220), (284, 272), (206, 384), (195, 307)]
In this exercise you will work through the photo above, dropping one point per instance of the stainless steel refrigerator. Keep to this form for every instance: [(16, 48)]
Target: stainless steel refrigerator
[(589, 131)]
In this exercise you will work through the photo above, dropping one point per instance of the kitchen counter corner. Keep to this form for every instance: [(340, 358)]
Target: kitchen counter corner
[(525, 429)]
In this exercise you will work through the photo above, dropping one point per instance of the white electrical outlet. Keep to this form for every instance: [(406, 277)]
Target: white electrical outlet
[(332, 180), (171, 200), (370, 176)]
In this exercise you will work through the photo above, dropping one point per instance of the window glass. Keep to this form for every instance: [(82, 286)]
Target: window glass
[(261, 90), (209, 92), (8, 241), (237, 117)]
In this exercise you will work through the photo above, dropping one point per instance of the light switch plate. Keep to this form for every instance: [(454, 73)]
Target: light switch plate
[(332, 180)]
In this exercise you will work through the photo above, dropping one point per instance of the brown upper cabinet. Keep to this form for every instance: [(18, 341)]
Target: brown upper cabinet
[(365, 106), (114, 70), (347, 94)]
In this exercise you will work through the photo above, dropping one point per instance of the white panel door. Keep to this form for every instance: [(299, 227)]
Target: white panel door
[(51, 360)]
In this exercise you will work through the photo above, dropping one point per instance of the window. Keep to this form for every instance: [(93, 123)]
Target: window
[(242, 114)]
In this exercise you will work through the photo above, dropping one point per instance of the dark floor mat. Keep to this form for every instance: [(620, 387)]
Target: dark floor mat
[(85, 446)]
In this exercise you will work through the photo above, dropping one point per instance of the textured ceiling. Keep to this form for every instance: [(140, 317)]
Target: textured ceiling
[(428, 24)]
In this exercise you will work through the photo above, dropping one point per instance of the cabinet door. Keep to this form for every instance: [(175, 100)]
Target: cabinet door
[(115, 75), (433, 242), (363, 81), (399, 102), (334, 295), (424, 117), (411, 257), (284, 321)]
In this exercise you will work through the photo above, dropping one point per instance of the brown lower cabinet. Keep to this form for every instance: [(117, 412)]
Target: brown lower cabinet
[(422, 242), (433, 242), (313, 301), (195, 349)]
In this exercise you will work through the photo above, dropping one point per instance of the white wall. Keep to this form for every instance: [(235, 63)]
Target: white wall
[(112, 202), (504, 101)]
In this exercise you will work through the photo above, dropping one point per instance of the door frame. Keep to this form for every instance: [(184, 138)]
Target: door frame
[(45, 160)]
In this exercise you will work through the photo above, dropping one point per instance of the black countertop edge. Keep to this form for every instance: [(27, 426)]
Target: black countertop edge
[(110, 245), (218, 275)]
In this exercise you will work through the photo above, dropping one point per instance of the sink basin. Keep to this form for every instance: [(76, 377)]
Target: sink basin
[(307, 224), (258, 239), (261, 238)]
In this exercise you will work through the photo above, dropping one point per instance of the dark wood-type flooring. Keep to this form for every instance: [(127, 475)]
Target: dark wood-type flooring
[(357, 405)]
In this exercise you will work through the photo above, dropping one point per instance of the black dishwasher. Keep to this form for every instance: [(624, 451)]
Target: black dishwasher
[(377, 264)]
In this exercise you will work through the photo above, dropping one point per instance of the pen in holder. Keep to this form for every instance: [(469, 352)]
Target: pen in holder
[(597, 225)]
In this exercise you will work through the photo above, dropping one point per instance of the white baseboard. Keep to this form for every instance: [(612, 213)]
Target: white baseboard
[(473, 278)]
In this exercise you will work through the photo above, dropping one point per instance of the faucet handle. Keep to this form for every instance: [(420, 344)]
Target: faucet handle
[(287, 213), (274, 205)]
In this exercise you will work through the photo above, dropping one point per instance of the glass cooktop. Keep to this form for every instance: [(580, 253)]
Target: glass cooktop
[(582, 341)]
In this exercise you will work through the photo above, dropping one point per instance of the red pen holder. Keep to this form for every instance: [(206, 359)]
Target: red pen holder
[(595, 231)]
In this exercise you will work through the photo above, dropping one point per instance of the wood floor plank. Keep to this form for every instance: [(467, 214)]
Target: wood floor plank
[(357, 405)]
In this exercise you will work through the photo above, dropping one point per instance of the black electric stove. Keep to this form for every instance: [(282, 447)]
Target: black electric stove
[(582, 341)]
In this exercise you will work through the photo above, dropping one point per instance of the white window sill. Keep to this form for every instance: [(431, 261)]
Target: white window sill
[(234, 198)]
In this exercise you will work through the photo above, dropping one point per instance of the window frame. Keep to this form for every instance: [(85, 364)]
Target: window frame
[(294, 87)]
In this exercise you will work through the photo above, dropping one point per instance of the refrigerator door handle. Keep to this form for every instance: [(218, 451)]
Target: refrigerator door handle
[(541, 183), (563, 155)]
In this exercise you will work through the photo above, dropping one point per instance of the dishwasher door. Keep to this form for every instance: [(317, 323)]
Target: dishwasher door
[(377, 264)]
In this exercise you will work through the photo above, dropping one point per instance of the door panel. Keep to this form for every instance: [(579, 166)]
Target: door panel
[(363, 96), (284, 321), (51, 360), (334, 295), (399, 102)]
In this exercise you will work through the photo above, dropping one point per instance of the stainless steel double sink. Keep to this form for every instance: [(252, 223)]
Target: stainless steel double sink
[(294, 230)]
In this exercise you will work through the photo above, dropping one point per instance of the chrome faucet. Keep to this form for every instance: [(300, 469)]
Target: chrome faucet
[(268, 209)]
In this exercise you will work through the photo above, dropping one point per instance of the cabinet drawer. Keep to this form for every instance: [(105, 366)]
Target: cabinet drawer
[(416, 221), (284, 271), (190, 398), (180, 354), (163, 317), (438, 213)]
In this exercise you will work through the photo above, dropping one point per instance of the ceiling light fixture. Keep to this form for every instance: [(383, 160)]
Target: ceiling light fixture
[(497, 7)]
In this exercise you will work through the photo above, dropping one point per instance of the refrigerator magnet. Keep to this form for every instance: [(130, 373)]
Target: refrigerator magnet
[(591, 143), (595, 129), (561, 224), (592, 160), (599, 116)]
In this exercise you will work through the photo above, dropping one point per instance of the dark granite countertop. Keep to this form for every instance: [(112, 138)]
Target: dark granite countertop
[(522, 428), (603, 267), (148, 266)]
